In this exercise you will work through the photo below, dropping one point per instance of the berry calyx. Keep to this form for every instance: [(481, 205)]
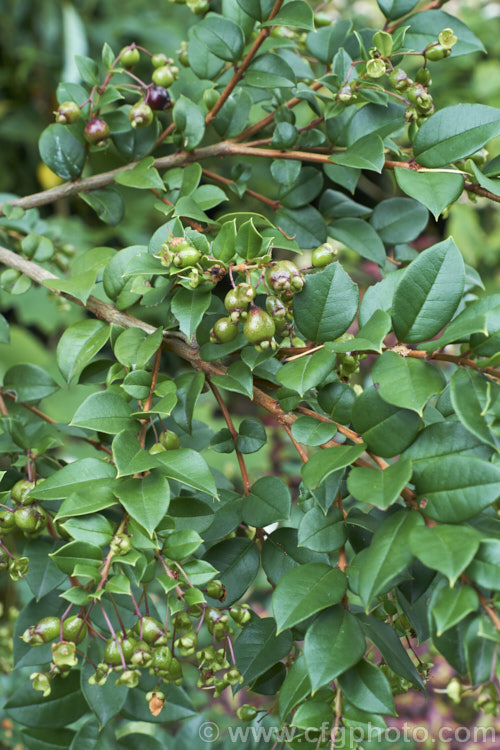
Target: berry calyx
[(96, 132), (259, 328), (140, 115), (224, 331), (120, 544), (67, 113), (284, 277), (216, 590), (158, 98), (129, 57), (74, 629)]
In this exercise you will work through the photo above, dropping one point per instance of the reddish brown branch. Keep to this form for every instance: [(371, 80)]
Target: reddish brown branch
[(234, 435)]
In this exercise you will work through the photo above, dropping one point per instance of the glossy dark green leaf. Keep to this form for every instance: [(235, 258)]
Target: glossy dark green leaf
[(379, 488), (304, 591), (188, 467), (435, 190), (359, 236), (78, 345), (366, 686), (306, 372), (29, 382), (62, 152), (429, 293), (333, 643), (258, 648), (85, 474), (105, 412), (310, 431), (423, 28), (322, 532), (399, 220), (269, 501), (406, 382), (388, 555), (327, 304), (145, 499), (448, 549), (237, 561), (222, 37), (325, 462), (471, 396), (270, 71), (451, 605), (295, 688), (63, 706)]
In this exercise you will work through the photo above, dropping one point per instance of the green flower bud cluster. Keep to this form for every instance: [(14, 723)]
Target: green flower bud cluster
[(27, 515), (190, 267), (348, 362)]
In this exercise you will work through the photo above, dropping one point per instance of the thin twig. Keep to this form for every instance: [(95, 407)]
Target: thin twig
[(234, 435)]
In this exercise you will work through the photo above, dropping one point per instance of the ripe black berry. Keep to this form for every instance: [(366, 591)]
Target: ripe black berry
[(157, 97)]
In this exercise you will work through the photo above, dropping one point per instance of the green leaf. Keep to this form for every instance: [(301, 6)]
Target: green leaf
[(304, 591), (269, 501), (369, 337), (388, 555), (471, 396), (280, 554), (190, 121), (63, 706), (270, 71), (295, 687), (379, 296), (360, 237), (429, 293), (47, 739), (238, 562), (366, 687), (307, 372), (29, 382), (104, 700), (143, 176), (386, 640), (259, 647), (485, 568), (78, 345), (455, 132), (222, 37), (457, 488), (81, 503), (223, 245), (326, 42), (73, 553), (4, 331), (448, 549), (188, 467), (379, 488), (238, 379), (435, 190), (189, 307), (79, 286), (310, 431), (375, 120), (295, 14), (108, 204), (325, 462), (249, 242), (251, 436), (451, 605), (366, 153), (95, 529), (146, 499), (327, 304), (233, 116), (333, 643), (492, 185), (104, 411), (43, 576), (304, 189), (399, 220), (82, 475), (306, 225), (62, 152), (182, 543), (320, 532), (405, 381), (396, 8)]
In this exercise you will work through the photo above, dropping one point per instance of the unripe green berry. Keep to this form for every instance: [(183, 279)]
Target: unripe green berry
[(68, 113), (151, 629), (112, 650), (438, 52), (210, 98), (7, 521), (259, 327), (424, 77), (162, 658), (170, 440), (129, 57), (120, 544), (140, 115), (187, 256), (74, 629), (164, 76), (284, 277), (246, 712), (224, 331), (30, 518), (399, 80), (20, 491), (183, 55), (216, 590), (323, 255), (44, 631), (159, 60)]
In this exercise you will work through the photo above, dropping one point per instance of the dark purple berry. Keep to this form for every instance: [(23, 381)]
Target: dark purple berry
[(157, 97), (96, 132)]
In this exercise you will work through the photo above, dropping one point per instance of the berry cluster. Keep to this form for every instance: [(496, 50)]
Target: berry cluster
[(148, 645), (27, 516), (154, 96)]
